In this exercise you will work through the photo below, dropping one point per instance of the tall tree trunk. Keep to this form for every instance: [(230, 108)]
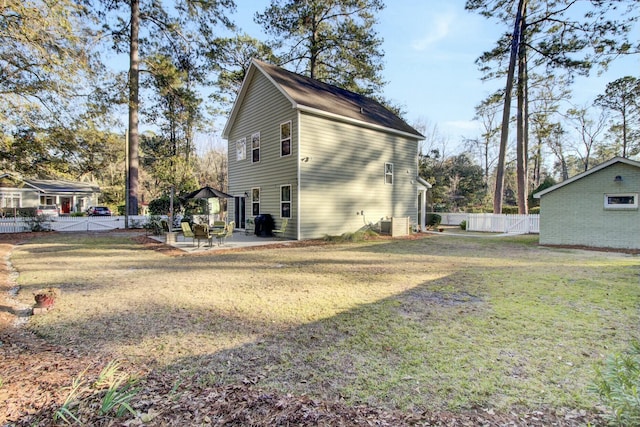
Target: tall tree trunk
[(134, 142), (521, 126), (624, 132), (506, 112)]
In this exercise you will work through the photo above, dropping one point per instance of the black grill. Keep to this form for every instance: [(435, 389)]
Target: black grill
[(264, 225)]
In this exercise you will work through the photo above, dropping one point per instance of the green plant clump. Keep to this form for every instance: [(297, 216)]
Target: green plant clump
[(358, 236), (39, 223), (433, 220), (463, 225), (618, 385), (115, 390), (154, 225)]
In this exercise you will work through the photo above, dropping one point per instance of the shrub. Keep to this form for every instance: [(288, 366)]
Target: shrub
[(510, 210), (433, 220), (463, 225), (159, 206), (38, 223), (358, 236), (618, 385), (154, 225)]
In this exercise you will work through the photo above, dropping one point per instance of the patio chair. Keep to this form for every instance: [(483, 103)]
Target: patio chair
[(218, 226), (249, 226), (187, 232), (283, 228), (227, 233), (201, 232)]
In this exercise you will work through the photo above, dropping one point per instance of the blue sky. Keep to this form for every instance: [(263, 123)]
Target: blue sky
[(430, 47)]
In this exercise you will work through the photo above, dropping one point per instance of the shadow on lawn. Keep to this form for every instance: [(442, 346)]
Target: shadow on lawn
[(376, 353)]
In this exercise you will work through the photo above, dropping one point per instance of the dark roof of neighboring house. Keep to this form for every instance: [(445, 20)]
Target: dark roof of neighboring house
[(50, 186), (59, 186), (312, 95), (587, 173)]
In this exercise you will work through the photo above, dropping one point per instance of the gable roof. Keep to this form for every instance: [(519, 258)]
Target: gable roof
[(587, 173), (50, 186), (306, 94)]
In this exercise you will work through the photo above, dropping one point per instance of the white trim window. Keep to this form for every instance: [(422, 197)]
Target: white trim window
[(388, 173), (285, 139), (255, 147), (241, 149), (255, 201), (285, 201), (10, 200), (621, 201)]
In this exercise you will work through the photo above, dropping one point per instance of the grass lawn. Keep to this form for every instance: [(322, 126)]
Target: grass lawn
[(440, 323)]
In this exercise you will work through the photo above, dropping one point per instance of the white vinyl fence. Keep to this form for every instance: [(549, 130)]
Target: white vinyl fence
[(494, 223), (79, 223)]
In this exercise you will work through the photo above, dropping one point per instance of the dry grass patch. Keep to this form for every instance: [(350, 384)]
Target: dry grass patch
[(444, 322)]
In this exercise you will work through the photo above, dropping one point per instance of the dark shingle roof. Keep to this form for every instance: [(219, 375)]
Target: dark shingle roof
[(49, 185), (59, 186), (307, 93)]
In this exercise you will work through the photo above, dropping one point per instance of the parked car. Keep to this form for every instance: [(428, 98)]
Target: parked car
[(99, 211), (47, 210)]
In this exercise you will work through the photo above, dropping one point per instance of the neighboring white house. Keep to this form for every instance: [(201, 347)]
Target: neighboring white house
[(328, 160), (17, 192), (597, 208)]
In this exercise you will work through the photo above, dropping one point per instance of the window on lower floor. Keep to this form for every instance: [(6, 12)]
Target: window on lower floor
[(621, 201), (255, 201), (285, 201), (48, 200), (10, 200)]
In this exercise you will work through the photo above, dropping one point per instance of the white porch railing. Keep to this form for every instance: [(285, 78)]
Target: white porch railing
[(494, 223), (80, 223)]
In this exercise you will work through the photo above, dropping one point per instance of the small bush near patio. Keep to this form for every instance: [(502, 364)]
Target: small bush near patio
[(417, 328)]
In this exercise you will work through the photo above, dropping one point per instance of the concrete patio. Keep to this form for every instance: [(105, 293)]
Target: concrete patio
[(238, 241)]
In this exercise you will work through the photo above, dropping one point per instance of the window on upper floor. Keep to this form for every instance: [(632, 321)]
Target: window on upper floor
[(255, 201), (621, 201), (388, 173), (255, 147), (285, 201), (285, 139), (241, 149)]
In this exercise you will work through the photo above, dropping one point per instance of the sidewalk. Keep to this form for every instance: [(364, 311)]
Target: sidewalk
[(239, 240)]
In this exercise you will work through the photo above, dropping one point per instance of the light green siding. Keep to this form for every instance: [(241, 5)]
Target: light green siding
[(575, 214), (335, 170), (342, 184), (263, 109)]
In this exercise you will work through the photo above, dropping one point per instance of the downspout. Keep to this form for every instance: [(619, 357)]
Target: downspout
[(298, 166)]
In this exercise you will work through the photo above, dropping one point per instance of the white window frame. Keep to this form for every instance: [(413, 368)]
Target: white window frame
[(8, 200), (609, 205), (255, 147), (48, 200), (284, 138), (388, 173), (285, 202), (241, 149), (255, 201)]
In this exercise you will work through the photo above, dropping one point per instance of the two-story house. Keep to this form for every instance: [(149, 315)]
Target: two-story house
[(329, 160)]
